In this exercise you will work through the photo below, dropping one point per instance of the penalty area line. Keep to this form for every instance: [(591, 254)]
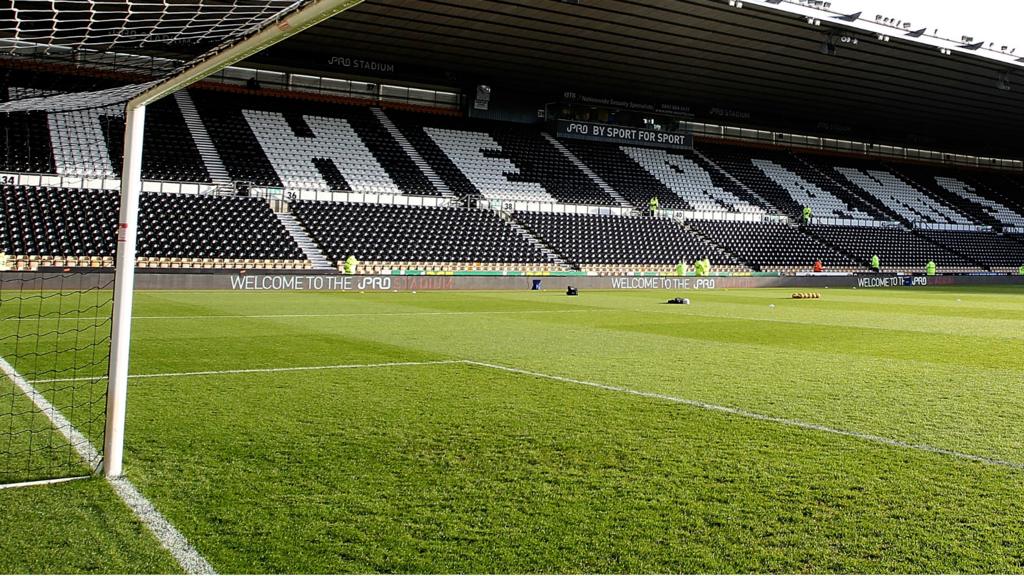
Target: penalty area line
[(738, 412), (169, 537), (762, 417), (266, 370)]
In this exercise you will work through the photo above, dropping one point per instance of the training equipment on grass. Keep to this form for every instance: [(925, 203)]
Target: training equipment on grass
[(806, 296), (683, 301)]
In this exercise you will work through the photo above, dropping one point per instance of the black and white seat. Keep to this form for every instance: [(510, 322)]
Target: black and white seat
[(586, 240), (771, 246), (498, 160), (902, 198), (295, 157), (898, 249), (477, 156), (59, 222), (307, 146), (401, 234), (689, 180)]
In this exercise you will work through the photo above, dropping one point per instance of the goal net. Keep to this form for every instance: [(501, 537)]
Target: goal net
[(75, 81), (53, 354)]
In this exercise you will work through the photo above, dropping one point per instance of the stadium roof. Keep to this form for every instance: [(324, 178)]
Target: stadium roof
[(763, 60)]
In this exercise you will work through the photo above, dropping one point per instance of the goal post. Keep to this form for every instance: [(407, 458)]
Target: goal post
[(124, 288), (306, 16), (65, 332)]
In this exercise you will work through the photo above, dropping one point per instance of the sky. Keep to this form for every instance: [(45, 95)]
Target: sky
[(999, 21)]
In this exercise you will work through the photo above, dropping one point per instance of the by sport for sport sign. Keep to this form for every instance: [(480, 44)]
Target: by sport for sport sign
[(623, 135)]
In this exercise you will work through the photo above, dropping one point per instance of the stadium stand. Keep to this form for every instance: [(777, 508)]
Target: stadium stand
[(898, 249), (25, 146), (58, 222), (680, 179), (1006, 188), (312, 144), (318, 153), (966, 195), (539, 161), (773, 246), (89, 143), (81, 141), (693, 180), (1015, 183), (789, 183), (240, 151), (280, 142), (627, 177), (387, 235), (169, 153), (411, 126), (203, 227), (997, 214), (606, 243), (66, 227), (896, 195), (989, 250), (477, 155), (498, 160)]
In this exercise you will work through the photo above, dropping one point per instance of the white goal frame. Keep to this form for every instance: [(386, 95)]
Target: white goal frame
[(131, 185)]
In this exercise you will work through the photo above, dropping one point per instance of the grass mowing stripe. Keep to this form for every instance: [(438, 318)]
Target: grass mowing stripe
[(762, 417), (895, 327), (463, 469), (168, 536), (675, 399), (338, 315), (934, 398)]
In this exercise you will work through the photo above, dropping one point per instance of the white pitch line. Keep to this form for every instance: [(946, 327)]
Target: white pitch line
[(762, 417), (190, 560), (77, 440), (47, 482), (168, 536), (263, 370), (674, 399), (368, 314)]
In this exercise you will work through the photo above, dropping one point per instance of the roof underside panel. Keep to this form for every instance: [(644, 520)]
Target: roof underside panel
[(700, 53)]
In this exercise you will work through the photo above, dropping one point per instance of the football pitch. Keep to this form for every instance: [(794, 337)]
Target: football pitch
[(529, 432)]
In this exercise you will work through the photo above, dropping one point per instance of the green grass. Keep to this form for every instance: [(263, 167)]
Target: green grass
[(460, 468), (45, 336), (79, 527), (30, 447)]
